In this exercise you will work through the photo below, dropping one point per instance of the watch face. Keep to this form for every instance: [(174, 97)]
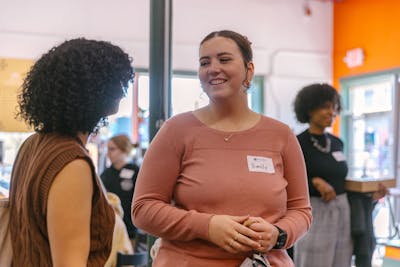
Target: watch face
[(281, 239)]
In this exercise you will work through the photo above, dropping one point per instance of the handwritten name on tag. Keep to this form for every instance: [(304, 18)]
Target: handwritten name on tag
[(260, 164)]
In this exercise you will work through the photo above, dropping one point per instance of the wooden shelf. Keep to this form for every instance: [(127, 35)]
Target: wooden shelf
[(368, 184)]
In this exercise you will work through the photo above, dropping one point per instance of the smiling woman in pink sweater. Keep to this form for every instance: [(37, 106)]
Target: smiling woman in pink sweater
[(222, 182)]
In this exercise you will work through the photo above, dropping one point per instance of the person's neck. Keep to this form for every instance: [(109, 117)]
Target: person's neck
[(235, 113), (120, 164), (230, 117), (235, 107), (83, 137), (314, 129)]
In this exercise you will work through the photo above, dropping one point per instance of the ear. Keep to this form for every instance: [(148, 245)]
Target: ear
[(250, 71)]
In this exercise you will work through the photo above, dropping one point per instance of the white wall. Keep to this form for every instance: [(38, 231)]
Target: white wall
[(290, 49), (29, 28)]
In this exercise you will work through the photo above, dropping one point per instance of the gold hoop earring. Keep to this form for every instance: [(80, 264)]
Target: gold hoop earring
[(246, 84)]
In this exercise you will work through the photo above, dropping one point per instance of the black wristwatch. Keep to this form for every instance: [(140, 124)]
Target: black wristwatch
[(282, 237)]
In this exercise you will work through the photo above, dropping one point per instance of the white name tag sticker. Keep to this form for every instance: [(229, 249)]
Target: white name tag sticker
[(339, 156), (260, 164), (126, 173)]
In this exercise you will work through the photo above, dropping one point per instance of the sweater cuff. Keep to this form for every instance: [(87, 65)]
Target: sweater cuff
[(201, 224)]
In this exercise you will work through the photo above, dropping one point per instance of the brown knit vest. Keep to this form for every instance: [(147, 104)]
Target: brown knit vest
[(39, 160)]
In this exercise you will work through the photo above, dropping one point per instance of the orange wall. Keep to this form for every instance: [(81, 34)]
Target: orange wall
[(374, 26)]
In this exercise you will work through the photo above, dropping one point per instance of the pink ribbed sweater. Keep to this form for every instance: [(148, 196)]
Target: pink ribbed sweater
[(191, 165)]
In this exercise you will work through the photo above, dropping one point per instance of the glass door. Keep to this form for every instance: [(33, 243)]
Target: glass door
[(369, 120)]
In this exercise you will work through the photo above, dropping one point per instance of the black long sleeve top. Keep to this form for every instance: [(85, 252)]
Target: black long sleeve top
[(328, 166), (122, 183)]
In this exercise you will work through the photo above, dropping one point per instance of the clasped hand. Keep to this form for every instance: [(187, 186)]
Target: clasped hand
[(380, 193), (237, 234), (327, 192)]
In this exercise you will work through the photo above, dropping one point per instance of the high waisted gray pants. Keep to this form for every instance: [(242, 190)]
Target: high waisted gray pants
[(328, 243)]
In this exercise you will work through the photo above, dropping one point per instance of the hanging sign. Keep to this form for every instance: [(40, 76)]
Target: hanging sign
[(354, 57)]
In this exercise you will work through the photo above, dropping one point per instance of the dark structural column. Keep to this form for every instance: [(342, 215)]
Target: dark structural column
[(160, 71), (160, 63)]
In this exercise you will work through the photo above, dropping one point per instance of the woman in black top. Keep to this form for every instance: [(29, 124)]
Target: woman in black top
[(120, 177), (328, 243)]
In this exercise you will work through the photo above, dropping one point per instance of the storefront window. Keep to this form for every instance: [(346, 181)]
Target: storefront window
[(9, 145), (371, 130)]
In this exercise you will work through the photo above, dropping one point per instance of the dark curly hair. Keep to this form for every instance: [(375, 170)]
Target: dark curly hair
[(314, 96), (74, 87)]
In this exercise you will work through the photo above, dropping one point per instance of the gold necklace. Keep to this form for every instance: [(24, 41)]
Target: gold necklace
[(227, 138)]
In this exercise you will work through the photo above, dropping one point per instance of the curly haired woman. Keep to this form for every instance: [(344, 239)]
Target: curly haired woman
[(60, 216), (328, 243)]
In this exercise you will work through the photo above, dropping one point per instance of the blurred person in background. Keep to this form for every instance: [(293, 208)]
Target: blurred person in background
[(121, 241), (328, 243), (120, 177), (342, 225)]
